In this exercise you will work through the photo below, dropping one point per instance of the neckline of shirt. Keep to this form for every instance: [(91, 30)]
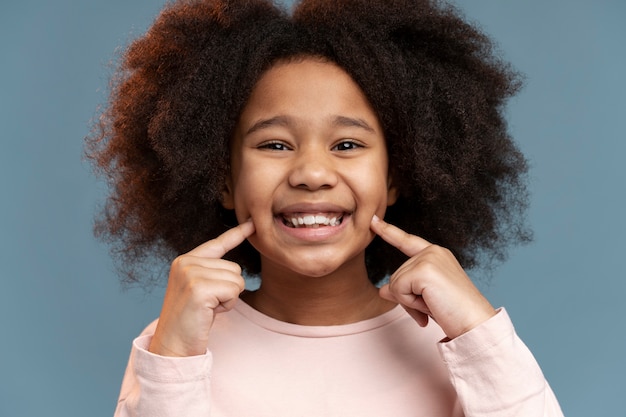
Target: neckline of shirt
[(277, 326)]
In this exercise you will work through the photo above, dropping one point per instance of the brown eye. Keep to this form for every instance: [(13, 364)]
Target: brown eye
[(274, 146), (346, 145)]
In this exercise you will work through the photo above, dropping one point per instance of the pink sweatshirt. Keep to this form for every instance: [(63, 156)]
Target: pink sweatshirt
[(386, 366)]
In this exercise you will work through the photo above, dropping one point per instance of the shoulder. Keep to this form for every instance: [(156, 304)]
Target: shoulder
[(150, 328)]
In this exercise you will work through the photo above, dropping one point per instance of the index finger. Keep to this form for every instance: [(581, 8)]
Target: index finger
[(407, 243), (230, 239)]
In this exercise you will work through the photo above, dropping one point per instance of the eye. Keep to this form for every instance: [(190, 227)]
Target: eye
[(273, 146), (346, 145)]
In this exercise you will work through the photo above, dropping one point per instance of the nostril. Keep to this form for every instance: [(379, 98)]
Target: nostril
[(313, 177)]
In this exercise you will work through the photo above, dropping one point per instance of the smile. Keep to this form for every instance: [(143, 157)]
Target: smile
[(300, 220)]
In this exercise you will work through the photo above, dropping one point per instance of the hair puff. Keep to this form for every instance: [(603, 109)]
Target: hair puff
[(434, 80)]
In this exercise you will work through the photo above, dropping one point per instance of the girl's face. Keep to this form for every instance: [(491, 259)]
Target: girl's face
[(309, 165)]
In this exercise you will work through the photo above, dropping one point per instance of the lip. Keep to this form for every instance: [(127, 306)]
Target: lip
[(312, 208), (312, 234)]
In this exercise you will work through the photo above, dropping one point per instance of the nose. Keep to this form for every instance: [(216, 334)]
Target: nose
[(313, 169)]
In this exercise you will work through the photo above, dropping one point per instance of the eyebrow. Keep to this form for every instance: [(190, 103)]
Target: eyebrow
[(338, 121), (265, 123), (343, 121)]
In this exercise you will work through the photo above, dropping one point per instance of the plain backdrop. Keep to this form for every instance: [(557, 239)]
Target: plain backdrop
[(65, 323)]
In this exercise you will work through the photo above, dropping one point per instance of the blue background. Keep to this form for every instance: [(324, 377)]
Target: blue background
[(65, 323)]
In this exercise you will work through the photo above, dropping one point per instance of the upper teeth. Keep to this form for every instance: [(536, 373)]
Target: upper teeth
[(318, 220)]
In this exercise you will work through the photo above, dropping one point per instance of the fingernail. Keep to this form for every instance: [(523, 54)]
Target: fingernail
[(375, 218)]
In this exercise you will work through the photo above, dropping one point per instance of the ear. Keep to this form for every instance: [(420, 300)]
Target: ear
[(392, 192), (228, 199)]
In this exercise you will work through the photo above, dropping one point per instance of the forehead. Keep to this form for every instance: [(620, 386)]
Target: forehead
[(308, 88)]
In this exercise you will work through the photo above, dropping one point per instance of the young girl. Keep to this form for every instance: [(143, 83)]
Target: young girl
[(241, 136)]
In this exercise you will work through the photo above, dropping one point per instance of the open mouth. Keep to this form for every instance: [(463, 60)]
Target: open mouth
[(299, 220)]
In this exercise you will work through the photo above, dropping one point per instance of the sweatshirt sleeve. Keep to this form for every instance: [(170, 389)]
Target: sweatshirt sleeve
[(159, 386), (495, 374)]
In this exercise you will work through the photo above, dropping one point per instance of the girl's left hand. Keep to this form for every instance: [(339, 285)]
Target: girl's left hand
[(432, 284)]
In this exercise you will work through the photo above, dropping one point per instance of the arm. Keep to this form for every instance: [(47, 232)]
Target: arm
[(492, 370), (495, 374), (156, 385), (169, 366)]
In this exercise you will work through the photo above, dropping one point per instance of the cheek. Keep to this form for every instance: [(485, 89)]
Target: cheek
[(375, 184), (241, 196), (252, 192), (377, 198), (244, 201)]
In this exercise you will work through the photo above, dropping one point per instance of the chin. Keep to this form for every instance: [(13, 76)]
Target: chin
[(313, 269)]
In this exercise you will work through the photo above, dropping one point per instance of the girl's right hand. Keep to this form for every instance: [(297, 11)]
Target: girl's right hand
[(200, 285)]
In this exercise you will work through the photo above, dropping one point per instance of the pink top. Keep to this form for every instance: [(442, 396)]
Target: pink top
[(386, 366)]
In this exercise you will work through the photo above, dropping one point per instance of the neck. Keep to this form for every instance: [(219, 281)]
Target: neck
[(342, 297)]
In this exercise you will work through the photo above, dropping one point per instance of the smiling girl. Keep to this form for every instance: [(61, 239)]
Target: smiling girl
[(241, 136)]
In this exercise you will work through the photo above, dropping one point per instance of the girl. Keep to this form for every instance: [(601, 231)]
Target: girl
[(240, 136)]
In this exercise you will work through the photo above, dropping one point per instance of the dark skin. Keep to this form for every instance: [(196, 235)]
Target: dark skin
[(322, 279), (163, 141), (430, 284)]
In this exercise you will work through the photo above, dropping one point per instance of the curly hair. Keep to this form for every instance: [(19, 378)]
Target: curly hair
[(434, 80)]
